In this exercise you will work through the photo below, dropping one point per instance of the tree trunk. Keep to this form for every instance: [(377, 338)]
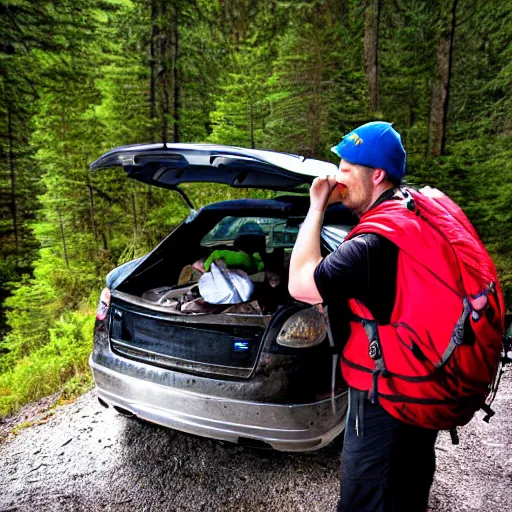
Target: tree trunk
[(176, 75), (14, 212), (371, 51), (152, 65), (91, 209), (251, 123), (105, 241), (411, 118), (134, 216), (165, 111), (163, 64), (64, 245), (441, 88)]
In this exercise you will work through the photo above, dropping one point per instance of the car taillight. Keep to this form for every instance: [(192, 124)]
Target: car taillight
[(103, 304), (304, 329)]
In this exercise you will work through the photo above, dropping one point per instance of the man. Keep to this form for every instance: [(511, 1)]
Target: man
[(387, 464)]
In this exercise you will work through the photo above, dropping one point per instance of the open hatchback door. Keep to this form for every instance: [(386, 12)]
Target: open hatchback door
[(169, 165)]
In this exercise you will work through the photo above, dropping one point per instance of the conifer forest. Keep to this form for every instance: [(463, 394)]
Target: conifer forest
[(80, 77)]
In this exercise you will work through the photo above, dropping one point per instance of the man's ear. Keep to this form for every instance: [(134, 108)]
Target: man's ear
[(379, 175)]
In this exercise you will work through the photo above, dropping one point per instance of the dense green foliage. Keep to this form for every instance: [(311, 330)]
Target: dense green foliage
[(79, 78), (61, 361)]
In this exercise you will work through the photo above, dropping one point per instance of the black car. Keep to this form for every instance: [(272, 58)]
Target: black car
[(263, 371)]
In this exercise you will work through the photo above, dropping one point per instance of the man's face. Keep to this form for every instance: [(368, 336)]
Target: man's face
[(358, 195)]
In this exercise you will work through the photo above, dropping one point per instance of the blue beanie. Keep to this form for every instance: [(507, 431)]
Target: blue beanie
[(377, 145)]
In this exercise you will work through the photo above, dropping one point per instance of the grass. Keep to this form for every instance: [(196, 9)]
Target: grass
[(74, 387), (18, 428), (62, 364)]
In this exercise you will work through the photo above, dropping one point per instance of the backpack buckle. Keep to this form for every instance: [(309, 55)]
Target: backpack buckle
[(374, 350)]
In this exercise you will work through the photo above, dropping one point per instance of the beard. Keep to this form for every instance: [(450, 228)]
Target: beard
[(358, 197)]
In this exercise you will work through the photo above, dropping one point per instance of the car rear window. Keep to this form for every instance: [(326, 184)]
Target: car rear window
[(278, 232)]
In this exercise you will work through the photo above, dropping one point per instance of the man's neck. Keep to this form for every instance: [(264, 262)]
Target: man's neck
[(381, 193)]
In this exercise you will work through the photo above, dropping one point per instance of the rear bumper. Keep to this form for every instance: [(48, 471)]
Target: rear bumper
[(284, 427)]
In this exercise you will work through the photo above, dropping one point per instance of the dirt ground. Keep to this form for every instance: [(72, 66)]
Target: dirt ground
[(85, 458)]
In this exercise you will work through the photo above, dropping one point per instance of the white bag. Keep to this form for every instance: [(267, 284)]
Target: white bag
[(225, 286)]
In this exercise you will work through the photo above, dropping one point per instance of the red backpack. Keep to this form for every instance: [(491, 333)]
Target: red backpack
[(435, 363)]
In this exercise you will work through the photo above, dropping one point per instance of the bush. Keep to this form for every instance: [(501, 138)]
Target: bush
[(62, 362)]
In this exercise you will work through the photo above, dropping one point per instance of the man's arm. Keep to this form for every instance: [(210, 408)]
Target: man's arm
[(306, 253), (305, 257)]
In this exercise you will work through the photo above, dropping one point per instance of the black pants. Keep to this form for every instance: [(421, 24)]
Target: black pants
[(389, 466)]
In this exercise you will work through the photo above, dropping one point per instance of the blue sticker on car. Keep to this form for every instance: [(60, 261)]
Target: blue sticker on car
[(240, 346)]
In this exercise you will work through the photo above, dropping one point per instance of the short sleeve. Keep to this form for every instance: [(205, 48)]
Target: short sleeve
[(363, 268), (342, 273)]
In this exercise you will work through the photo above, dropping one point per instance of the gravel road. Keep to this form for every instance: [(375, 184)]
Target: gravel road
[(83, 457)]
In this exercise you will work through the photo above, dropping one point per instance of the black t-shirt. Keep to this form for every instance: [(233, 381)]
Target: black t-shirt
[(362, 268)]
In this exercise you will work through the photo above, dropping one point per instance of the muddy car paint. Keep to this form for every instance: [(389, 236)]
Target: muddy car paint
[(171, 402)]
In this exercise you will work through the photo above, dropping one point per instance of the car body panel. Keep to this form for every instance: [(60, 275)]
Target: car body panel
[(117, 275)]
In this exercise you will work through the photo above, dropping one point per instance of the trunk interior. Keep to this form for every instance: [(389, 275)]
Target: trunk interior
[(170, 275)]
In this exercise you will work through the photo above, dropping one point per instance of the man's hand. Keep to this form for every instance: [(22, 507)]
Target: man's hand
[(323, 192)]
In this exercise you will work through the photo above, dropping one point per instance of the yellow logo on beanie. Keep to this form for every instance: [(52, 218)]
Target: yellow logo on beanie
[(355, 138)]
